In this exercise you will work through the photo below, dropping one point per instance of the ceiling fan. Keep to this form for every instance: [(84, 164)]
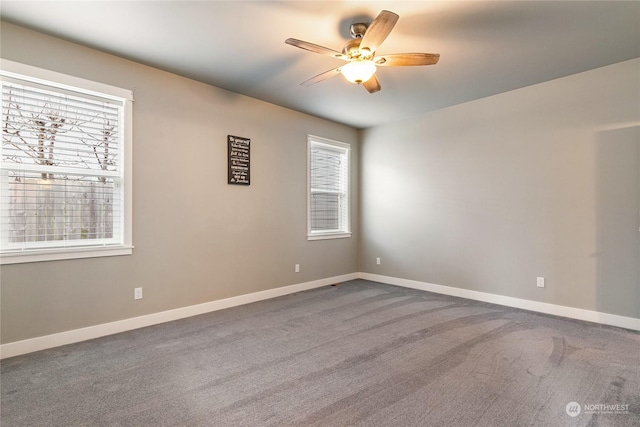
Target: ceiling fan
[(360, 53)]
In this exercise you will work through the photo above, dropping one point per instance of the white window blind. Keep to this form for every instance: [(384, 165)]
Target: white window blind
[(328, 189), (61, 167)]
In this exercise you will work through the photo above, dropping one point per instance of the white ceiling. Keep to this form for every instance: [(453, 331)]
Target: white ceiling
[(486, 47)]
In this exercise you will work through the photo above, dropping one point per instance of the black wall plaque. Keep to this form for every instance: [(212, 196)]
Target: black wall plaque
[(239, 160)]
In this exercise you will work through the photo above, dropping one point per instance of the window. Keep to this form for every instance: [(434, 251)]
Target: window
[(328, 200), (65, 167)]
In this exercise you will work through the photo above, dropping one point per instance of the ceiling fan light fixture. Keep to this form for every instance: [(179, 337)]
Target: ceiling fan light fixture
[(358, 71)]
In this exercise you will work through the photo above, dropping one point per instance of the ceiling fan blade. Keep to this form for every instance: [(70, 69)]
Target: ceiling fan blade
[(315, 48), (378, 30), (322, 76), (372, 85), (406, 59)]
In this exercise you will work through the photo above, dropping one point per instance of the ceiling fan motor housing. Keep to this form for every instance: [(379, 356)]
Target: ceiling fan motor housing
[(352, 48)]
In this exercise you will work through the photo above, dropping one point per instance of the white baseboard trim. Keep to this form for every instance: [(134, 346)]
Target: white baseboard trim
[(69, 337), (541, 307)]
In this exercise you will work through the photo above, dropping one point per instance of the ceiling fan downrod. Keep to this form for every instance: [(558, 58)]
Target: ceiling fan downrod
[(357, 30)]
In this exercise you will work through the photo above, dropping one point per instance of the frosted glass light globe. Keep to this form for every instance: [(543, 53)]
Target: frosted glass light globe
[(358, 71)]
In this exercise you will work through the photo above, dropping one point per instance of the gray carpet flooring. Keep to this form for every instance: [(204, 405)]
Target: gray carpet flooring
[(357, 354)]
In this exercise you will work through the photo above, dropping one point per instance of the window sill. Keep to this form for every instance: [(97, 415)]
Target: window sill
[(324, 236), (62, 254)]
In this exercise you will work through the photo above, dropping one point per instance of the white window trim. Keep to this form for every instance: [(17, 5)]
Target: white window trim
[(39, 75), (324, 235)]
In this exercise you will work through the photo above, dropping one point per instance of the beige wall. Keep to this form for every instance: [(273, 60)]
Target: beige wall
[(488, 195), (541, 181), (196, 238)]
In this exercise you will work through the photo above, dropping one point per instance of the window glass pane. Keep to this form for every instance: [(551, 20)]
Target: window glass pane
[(58, 130), (59, 208), (325, 211), (326, 169)]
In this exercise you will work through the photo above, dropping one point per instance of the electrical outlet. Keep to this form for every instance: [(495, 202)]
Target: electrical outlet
[(137, 293), (540, 282), (297, 268), (378, 261)]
